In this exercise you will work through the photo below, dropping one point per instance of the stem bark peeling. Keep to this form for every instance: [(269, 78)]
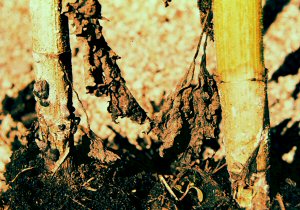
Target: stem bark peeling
[(242, 84), (52, 89)]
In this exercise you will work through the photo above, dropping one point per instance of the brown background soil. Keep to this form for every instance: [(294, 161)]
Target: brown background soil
[(156, 45)]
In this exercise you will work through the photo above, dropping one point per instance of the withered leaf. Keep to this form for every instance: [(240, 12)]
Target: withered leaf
[(102, 74), (205, 8), (191, 114)]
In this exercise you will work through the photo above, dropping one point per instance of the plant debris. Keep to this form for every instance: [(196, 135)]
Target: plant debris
[(113, 173), (205, 7), (191, 114), (102, 74)]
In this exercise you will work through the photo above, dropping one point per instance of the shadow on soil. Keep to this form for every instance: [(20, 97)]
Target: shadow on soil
[(290, 66), (270, 11), (22, 107), (285, 176)]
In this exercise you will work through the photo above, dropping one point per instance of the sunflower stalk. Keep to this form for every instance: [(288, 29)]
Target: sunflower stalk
[(242, 84), (52, 89)]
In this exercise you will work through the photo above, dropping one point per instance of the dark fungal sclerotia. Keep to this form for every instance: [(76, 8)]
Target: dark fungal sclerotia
[(41, 91)]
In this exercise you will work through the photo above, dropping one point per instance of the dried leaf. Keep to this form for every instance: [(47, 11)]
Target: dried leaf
[(191, 114), (98, 151), (102, 74), (205, 7)]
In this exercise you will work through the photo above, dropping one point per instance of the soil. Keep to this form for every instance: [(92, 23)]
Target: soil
[(138, 171)]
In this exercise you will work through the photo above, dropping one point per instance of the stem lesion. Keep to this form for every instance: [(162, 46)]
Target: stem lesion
[(52, 57), (242, 82)]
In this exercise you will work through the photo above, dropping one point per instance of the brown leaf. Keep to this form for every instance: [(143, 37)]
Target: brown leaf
[(191, 114), (102, 74)]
